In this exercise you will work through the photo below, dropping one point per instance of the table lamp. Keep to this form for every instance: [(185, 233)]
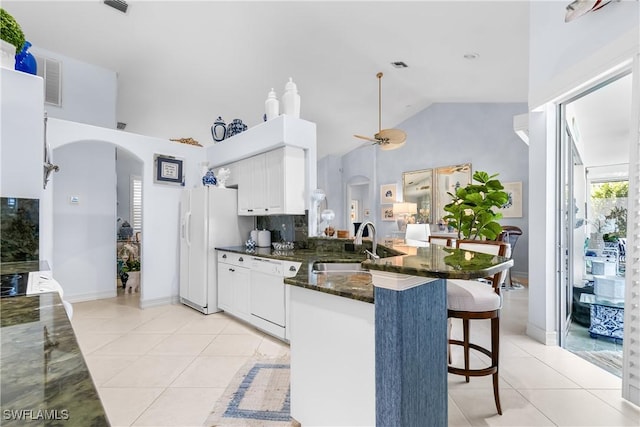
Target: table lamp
[(402, 211)]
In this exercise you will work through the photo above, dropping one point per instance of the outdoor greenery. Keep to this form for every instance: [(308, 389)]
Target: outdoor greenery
[(608, 206), (10, 30), (473, 209)]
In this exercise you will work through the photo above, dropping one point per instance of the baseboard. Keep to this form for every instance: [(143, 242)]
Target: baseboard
[(148, 303), (542, 336), (90, 296)]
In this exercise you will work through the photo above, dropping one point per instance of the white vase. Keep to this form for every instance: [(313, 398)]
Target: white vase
[(291, 99), (272, 105), (7, 55)]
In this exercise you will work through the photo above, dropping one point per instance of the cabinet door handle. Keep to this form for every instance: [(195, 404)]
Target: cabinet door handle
[(241, 259), (292, 268), (249, 210), (266, 209), (231, 270), (224, 256)]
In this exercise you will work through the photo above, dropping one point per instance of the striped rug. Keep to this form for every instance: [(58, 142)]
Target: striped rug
[(257, 396)]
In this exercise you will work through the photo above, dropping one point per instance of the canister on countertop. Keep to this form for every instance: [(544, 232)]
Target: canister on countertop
[(254, 235), (264, 238)]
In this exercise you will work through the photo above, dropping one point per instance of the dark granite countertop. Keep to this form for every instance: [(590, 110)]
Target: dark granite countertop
[(442, 262), (431, 261), (23, 267), (44, 378)]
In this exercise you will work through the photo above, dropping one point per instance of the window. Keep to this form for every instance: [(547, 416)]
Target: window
[(136, 203)]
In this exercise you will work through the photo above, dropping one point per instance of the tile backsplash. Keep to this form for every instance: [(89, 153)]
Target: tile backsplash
[(288, 228)]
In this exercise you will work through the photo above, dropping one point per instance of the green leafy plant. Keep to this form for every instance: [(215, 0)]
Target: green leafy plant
[(131, 265), (473, 209), (10, 30)]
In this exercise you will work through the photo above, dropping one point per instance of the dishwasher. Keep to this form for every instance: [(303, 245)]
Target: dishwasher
[(268, 302)]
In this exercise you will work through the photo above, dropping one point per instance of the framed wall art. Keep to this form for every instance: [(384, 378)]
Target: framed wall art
[(168, 170), (386, 213), (388, 193), (513, 208)]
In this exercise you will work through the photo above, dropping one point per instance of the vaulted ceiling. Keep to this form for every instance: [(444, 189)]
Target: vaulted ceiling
[(181, 64)]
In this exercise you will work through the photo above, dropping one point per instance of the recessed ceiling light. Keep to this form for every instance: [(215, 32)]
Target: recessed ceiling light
[(399, 64), (471, 55)]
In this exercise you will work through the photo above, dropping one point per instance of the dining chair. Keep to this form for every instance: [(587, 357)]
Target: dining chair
[(417, 235), (510, 234), (442, 241), (473, 299)]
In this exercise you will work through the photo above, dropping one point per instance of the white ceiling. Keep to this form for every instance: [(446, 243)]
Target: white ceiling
[(181, 64)]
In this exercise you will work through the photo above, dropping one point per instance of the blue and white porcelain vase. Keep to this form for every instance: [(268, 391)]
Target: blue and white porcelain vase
[(219, 130), (209, 178), (25, 61), (235, 127)]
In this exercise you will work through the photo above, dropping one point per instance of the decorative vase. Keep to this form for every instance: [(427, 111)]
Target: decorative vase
[(272, 105), (209, 178), (7, 55), (235, 127), (596, 241), (219, 130), (291, 99), (223, 175), (25, 61)]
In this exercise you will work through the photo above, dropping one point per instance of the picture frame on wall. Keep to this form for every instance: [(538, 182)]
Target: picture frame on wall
[(386, 213), (388, 193), (168, 170), (513, 208)]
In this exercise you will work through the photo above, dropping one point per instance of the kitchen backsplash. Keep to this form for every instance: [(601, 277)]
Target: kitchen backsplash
[(288, 228)]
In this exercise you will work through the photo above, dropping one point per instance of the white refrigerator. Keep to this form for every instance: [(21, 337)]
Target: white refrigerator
[(208, 219)]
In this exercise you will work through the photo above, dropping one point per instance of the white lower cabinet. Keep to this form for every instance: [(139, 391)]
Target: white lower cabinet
[(234, 281), (252, 289)]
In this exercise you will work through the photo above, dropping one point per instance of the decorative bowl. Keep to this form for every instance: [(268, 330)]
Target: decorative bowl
[(282, 246)]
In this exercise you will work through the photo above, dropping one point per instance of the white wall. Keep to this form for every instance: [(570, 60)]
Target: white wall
[(88, 92), (84, 243), (160, 206), (563, 56)]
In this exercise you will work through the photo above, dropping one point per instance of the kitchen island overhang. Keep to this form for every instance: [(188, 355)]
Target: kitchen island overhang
[(406, 354)]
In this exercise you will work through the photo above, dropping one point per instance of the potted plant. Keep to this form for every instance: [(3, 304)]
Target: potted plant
[(132, 269), (473, 209), (12, 38)]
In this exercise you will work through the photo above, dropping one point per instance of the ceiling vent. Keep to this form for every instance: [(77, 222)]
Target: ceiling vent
[(51, 72), (399, 64), (120, 5)]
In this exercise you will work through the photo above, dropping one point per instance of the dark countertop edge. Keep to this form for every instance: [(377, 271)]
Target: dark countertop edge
[(464, 275), (344, 294)]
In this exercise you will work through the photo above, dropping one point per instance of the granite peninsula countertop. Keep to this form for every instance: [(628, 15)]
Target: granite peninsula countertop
[(44, 378), (431, 261)]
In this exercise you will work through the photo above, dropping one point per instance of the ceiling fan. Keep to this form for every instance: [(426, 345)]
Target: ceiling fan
[(388, 139), (578, 8)]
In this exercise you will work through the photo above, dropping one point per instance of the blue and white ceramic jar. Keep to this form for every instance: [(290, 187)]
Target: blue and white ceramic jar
[(235, 127), (209, 178), (219, 130)]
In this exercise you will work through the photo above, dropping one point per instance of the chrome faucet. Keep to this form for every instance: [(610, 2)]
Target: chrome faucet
[(358, 239)]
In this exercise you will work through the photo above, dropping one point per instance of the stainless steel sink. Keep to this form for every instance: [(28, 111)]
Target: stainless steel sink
[(338, 267)]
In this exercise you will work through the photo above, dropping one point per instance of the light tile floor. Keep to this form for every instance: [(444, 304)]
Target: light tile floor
[(167, 366)]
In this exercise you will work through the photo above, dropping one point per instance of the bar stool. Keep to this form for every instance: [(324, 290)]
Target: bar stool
[(510, 234), (472, 299)]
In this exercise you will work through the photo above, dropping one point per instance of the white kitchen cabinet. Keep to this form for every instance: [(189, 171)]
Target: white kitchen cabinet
[(272, 183), (234, 278)]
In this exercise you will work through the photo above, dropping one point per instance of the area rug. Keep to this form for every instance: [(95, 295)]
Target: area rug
[(608, 360), (257, 396)]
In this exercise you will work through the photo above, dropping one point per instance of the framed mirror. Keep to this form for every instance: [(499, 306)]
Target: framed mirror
[(417, 188), (447, 180)]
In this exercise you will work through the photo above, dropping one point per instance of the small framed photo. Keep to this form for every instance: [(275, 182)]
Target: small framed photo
[(168, 170), (388, 193), (513, 207), (386, 213)]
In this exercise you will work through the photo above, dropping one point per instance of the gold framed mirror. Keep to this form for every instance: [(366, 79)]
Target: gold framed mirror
[(417, 188), (447, 180)]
